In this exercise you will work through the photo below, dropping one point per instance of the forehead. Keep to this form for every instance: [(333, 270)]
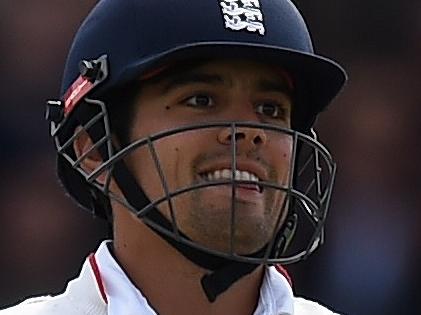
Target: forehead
[(226, 69)]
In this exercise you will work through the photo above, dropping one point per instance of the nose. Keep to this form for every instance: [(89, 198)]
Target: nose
[(244, 136)]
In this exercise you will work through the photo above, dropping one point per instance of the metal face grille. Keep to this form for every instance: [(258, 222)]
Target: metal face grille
[(294, 210)]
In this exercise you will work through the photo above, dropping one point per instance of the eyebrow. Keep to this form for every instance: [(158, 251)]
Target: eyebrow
[(262, 85)]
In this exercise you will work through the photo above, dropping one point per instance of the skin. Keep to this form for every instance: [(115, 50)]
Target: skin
[(216, 91), (204, 215)]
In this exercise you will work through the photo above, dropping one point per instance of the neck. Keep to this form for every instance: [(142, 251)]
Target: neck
[(169, 281)]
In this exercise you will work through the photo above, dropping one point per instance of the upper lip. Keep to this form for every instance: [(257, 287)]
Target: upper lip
[(242, 165)]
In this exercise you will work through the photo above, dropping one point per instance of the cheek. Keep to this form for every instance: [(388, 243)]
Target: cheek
[(171, 159), (180, 155), (175, 155), (151, 174), (281, 155)]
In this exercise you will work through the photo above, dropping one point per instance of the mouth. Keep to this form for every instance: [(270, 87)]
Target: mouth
[(243, 179)]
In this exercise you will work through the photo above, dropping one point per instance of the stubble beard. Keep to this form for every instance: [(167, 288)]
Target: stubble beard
[(209, 223)]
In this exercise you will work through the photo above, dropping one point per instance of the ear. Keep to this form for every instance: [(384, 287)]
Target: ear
[(83, 144)]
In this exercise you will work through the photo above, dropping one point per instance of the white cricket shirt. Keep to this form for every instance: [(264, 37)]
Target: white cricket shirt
[(123, 297)]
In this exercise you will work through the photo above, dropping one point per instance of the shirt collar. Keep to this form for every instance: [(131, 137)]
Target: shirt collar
[(276, 296), (122, 296)]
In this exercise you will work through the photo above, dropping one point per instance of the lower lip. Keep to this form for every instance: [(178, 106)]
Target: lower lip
[(249, 187), (245, 192)]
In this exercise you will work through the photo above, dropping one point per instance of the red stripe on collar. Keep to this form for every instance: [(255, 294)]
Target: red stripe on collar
[(284, 272), (98, 278)]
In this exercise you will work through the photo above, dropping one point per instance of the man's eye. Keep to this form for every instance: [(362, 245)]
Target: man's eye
[(200, 101), (271, 110)]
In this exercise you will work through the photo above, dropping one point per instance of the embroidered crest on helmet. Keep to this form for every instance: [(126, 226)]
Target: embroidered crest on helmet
[(243, 15)]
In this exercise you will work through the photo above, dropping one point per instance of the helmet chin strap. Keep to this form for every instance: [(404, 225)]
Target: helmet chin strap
[(223, 272)]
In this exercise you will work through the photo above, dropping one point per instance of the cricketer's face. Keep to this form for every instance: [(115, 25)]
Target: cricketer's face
[(217, 91)]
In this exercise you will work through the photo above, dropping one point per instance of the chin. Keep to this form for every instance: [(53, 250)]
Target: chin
[(245, 242)]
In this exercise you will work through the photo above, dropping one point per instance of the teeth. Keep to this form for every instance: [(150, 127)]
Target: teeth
[(245, 175), (216, 174), (254, 178), (226, 174)]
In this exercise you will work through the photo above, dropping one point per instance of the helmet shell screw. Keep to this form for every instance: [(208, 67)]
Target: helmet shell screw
[(89, 70)]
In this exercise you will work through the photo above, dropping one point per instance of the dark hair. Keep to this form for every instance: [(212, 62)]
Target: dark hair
[(121, 106)]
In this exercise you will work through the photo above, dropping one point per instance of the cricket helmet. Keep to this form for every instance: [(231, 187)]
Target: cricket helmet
[(120, 41)]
